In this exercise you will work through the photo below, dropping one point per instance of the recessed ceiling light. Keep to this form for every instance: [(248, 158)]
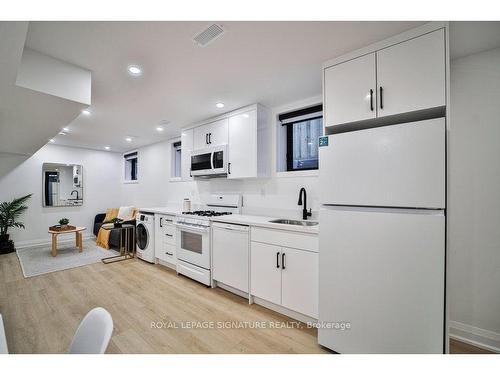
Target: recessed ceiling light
[(159, 128), (51, 140), (107, 148), (86, 112), (134, 70), (62, 133), (246, 115), (65, 130), (220, 105), (128, 139)]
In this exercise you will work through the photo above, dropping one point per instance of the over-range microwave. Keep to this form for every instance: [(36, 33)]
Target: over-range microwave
[(209, 161)]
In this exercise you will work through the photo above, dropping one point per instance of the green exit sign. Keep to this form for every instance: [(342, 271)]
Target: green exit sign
[(323, 141)]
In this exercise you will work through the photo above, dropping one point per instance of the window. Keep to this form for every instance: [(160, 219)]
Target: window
[(131, 166), (176, 159), (303, 128)]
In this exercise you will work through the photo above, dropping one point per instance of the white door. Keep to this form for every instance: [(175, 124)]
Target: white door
[(349, 91), (383, 273), (217, 132), (392, 166), (201, 137), (299, 281), (230, 246), (212, 134), (265, 271), (186, 148), (242, 147), (412, 75)]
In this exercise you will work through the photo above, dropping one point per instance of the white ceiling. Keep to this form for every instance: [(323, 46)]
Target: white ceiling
[(28, 117), (467, 38), (272, 63)]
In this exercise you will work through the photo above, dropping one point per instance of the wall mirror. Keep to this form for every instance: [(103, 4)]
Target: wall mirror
[(62, 185)]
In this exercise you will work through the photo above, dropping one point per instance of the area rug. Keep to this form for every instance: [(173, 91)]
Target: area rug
[(37, 260)]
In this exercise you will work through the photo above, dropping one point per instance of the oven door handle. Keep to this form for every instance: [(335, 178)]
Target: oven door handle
[(187, 228)]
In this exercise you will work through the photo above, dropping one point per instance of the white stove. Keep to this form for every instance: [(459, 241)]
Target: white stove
[(193, 236)]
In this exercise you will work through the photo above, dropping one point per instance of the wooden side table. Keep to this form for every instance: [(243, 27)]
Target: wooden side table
[(78, 238)]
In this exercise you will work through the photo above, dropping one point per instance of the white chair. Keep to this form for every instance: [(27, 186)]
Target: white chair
[(93, 333)]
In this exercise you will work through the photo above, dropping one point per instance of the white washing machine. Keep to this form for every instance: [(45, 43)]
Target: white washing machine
[(145, 236)]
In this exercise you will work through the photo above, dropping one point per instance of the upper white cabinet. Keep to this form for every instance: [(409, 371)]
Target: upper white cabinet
[(246, 132), (406, 76), (211, 134), (411, 75), (186, 148), (350, 91), (242, 144)]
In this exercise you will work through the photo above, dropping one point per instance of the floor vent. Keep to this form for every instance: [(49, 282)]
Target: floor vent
[(208, 35)]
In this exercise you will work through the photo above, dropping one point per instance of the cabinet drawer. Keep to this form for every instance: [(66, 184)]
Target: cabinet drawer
[(305, 241), (169, 234), (167, 253)]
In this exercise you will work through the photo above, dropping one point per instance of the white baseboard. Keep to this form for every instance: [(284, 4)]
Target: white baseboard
[(231, 289), (284, 311), (476, 336), (165, 264), (269, 305), (48, 241)]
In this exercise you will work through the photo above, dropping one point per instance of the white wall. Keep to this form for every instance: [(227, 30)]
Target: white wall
[(101, 189), (276, 195), (474, 211)]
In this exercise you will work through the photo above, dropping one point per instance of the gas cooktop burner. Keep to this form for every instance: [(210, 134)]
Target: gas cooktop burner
[(206, 213)]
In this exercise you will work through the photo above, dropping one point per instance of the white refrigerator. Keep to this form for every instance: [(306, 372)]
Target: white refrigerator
[(382, 239)]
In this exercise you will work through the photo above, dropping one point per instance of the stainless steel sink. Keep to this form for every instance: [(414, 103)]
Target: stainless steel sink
[(294, 222)]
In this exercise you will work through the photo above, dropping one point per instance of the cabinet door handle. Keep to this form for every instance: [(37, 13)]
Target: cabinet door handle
[(278, 259), (210, 138), (161, 225), (283, 261), (168, 235), (371, 100), (169, 253), (206, 139), (381, 98), (228, 168)]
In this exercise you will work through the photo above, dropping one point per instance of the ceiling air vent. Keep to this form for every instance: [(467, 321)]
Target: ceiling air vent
[(208, 35)]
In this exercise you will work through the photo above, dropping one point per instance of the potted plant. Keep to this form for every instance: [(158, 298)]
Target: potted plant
[(117, 222), (10, 212), (64, 223)]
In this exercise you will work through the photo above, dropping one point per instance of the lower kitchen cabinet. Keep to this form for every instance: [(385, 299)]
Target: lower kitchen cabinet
[(265, 271), (285, 276), (165, 238), (299, 281)]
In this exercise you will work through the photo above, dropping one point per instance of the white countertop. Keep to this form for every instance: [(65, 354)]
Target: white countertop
[(250, 220), (264, 221), (162, 210)]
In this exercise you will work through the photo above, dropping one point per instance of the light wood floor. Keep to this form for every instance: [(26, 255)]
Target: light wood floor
[(42, 313)]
